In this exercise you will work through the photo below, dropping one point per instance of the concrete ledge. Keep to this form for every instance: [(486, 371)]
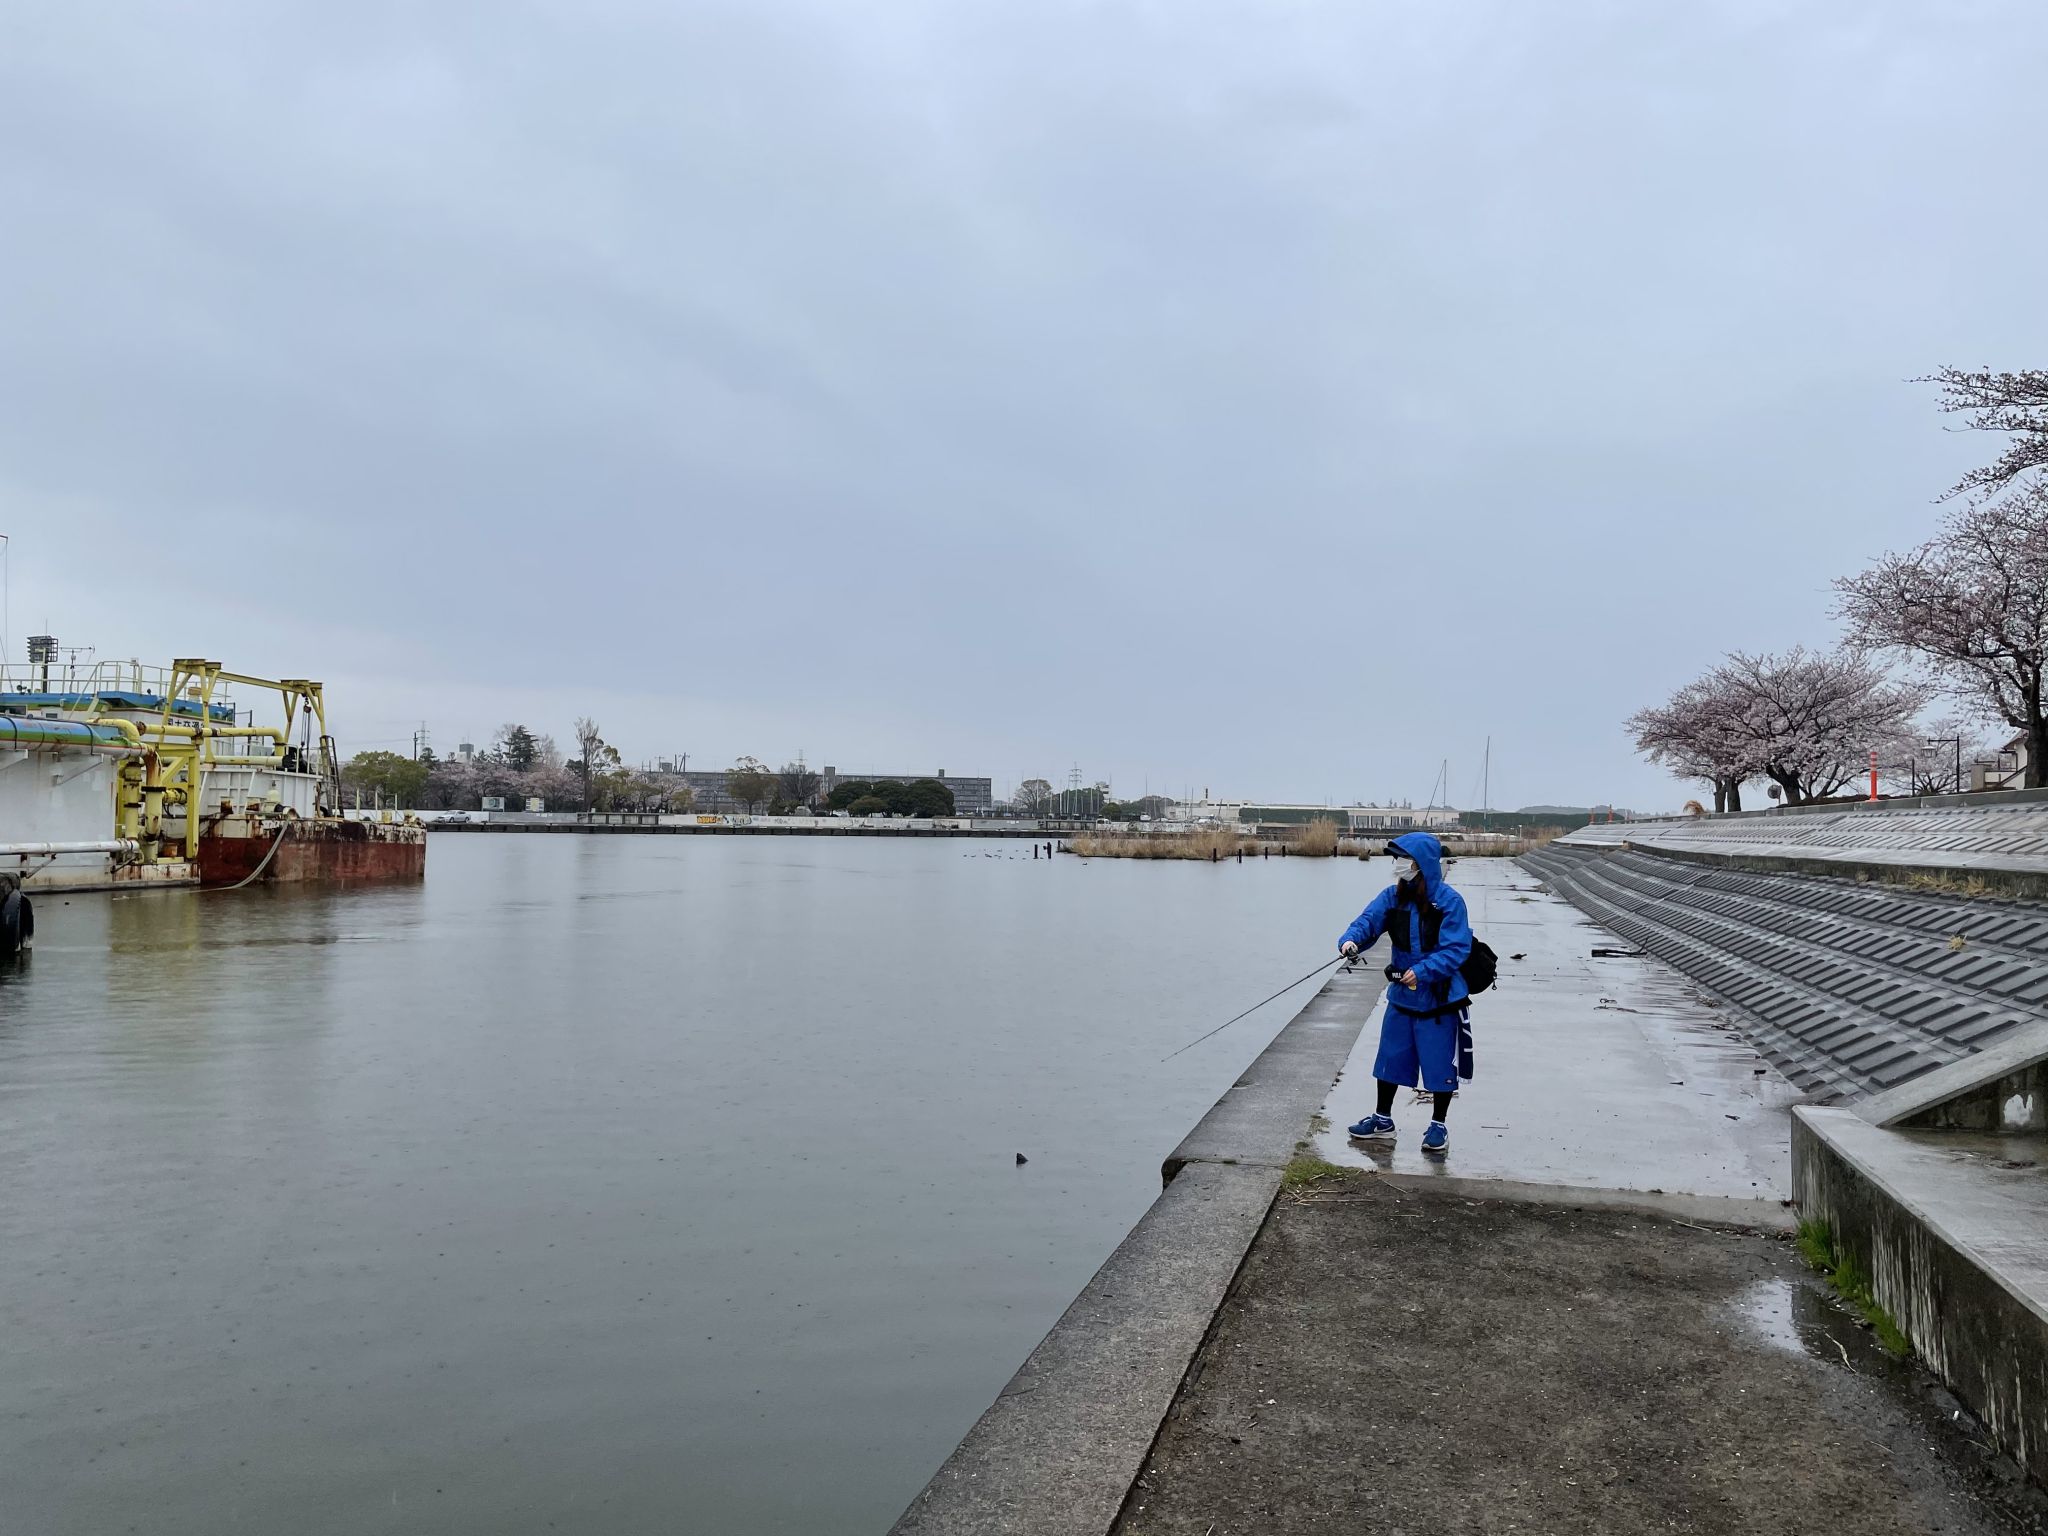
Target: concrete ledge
[(1267, 1111), (1061, 1446), (2007, 877), (1059, 1449), (1956, 1246), (2001, 1089)]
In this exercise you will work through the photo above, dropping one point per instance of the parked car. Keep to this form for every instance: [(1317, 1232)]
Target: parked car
[(462, 816)]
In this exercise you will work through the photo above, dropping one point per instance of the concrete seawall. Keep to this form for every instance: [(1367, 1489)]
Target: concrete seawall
[(1892, 959), (1058, 1451)]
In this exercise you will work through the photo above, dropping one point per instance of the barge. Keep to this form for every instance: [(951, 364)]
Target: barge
[(120, 776)]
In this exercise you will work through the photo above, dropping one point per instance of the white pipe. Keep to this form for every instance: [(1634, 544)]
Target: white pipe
[(51, 850)]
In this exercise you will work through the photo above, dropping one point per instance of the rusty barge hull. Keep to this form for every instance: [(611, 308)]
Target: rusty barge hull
[(324, 851)]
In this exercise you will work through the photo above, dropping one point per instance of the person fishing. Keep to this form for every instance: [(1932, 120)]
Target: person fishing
[(1424, 1038)]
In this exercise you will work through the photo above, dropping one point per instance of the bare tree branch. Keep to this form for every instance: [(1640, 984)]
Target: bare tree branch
[(1971, 606), (2015, 403)]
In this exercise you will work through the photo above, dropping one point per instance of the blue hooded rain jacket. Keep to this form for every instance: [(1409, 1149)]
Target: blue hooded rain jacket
[(1433, 939)]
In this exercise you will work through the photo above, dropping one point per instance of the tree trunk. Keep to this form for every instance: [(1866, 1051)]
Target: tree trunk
[(2037, 750), (1720, 797), (1735, 795)]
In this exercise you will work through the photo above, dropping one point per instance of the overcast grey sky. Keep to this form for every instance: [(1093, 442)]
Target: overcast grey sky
[(1273, 397)]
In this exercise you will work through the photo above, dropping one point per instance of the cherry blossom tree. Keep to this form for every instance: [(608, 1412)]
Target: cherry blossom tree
[(2014, 403), (1971, 607), (1936, 758), (1699, 734), (1812, 718), (1806, 720)]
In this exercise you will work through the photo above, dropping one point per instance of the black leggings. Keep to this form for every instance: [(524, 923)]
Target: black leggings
[(1388, 1090)]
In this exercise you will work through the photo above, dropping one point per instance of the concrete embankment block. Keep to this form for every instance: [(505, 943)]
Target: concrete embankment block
[(2002, 1089), (1953, 1232)]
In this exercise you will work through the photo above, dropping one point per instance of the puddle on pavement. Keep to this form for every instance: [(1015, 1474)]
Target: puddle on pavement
[(1766, 1309), (1800, 1319)]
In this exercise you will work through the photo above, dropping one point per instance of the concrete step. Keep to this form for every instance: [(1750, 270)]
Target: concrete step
[(1850, 990), (1952, 1229)]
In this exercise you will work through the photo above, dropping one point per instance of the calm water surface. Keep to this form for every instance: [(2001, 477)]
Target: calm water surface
[(619, 1184)]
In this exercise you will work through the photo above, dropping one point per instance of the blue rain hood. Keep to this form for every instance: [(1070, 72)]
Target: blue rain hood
[(1428, 855), (1432, 943)]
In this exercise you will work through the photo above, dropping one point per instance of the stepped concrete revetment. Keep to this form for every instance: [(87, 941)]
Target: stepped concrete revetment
[(1893, 962)]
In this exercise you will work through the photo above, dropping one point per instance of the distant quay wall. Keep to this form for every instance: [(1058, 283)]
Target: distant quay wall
[(762, 826)]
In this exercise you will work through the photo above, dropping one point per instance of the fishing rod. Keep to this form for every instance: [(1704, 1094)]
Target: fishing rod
[(1255, 1007)]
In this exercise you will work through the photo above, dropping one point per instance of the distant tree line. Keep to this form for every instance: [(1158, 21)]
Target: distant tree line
[(1964, 617), (888, 797), (521, 765), (1037, 798)]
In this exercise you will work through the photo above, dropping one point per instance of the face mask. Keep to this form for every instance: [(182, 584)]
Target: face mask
[(1406, 870)]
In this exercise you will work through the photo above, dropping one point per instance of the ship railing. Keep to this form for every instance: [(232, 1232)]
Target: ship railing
[(85, 686)]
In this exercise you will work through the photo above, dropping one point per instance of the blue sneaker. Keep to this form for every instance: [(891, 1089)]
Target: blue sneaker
[(1374, 1128), (1437, 1138)]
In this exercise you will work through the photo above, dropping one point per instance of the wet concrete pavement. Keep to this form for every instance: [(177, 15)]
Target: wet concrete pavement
[(1612, 1072), (1401, 1358)]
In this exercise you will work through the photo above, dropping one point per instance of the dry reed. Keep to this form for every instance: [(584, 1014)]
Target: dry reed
[(1209, 843), (1318, 840)]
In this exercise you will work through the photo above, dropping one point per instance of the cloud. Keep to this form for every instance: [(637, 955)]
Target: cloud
[(1279, 399)]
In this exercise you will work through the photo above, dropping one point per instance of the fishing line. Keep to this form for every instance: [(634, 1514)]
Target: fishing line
[(1255, 1007)]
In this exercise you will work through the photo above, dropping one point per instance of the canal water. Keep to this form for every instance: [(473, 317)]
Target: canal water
[(621, 1184)]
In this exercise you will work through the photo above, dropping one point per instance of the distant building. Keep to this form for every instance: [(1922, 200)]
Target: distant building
[(2004, 769), (707, 791), (971, 797), (1352, 820)]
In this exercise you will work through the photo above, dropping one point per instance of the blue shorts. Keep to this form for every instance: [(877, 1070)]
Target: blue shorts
[(1418, 1052)]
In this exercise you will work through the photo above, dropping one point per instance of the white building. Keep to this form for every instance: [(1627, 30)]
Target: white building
[(1352, 820)]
